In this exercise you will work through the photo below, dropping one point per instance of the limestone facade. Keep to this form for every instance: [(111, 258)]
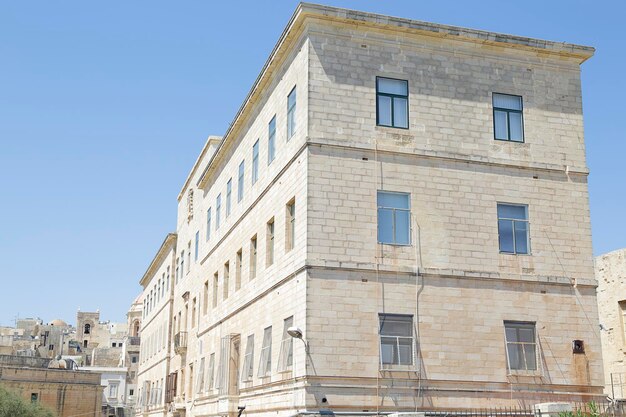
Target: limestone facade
[(298, 246)]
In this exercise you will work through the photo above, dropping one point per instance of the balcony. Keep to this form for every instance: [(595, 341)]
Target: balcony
[(134, 341), (180, 343)]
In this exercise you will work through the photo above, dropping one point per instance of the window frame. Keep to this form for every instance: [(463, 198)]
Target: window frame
[(285, 356), (527, 221), (271, 140), (218, 209), (229, 192), (255, 162), (208, 224), (517, 325), (378, 207), (265, 358), (291, 113), (392, 96), (508, 117), (247, 372), (398, 365), (241, 178)]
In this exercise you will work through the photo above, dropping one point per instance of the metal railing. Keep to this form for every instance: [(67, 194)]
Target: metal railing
[(180, 342)]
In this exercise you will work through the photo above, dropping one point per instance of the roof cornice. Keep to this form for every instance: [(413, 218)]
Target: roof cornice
[(168, 243)]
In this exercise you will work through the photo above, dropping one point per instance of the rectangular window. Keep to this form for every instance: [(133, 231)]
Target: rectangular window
[(291, 113), (215, 283), (285, 359), (208, 224), (265, 361), (229, 190), (290, 225), (248, 360), (392, 102), (253, 248), (167, 282), (513, 229), (396, 339), (34, 397), (197, 243), (508, 121), (271, 141), (205, 298), (269, 251), (225, 280), (255, 161), (182, 263), (238, 261), (188, 256), (193, 312), (211, 371), (521, 345), (218, 209), (240, 184), (394, 214), (200, 377)]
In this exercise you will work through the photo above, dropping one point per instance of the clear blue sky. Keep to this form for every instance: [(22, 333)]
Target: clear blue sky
[(104, 107)]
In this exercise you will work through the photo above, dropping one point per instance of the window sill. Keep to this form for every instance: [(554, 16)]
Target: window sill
[(515, 254), (509, 140), (398, 368), (523, 373), (395, 244), (392, 127)]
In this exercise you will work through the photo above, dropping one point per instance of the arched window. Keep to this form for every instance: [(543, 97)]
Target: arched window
[(87, 328)]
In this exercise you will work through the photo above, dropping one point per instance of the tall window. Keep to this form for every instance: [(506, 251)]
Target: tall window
[(396, 339), (200, 377), (177, 270), (265, 361), (167, 279), (521, 345), (508, 121), (240, 184), (194, 304), (248, 360), (513, 229), (182, 263), (290, 225), (226, 279), (285, 360), (238, 260), (211, 372), (291, 113), (271, 141), (229, 190), (394, 214), (196, 245), (215, 282), (163, 286), (188, 256), (255, 161), (218, 209), (208, 224), (392, 102), (205, 298), (269, 251), (253, 250)]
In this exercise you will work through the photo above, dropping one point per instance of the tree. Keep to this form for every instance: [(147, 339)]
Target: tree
[(12, 405)]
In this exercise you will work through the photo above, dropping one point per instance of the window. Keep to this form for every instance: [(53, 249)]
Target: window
[(240, 184), (396, 339), (513, 229), (193, 312), (265, 361), (218, 209), (34, 397), (195, 249), (269, 260), (131, 392), (215, 278), (508, 122), (255, 161), (163, 286), (211, 371), (167, 279), (253, 245), (208, 224), (182, 263), (113, 389), (50, 347), (225, 280), (392, 102), (521, 345), (291, 113), (205, 298), (271, 141), (188, 255), (394, 213), (238, 260), (133, 359), (177, 271), (285, 360), (290, 225), (248, 360), (229, 191), (200, 378)]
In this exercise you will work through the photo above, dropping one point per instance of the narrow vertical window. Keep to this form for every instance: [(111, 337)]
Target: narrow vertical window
[(163, 285), (225, 280), (193, 312), (211, 372), (240, 184), (513, 229), (188, 256), (285, 359), (253, 247), (177, 270), (229, 190), (205, 298), (394, 215), (238, 270), (271, 141), (508, 121), (291, 113), (208, 224), (167, 282), (521, 345), (255, 161), (182, 263), (269, 250), (392, 102), (197, 244), (215, 278), (290, 223), (218, 209), (265, 361), (248, 361)]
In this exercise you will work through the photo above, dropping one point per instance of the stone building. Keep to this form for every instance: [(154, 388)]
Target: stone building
[(611, 276), (396, 219), (68, 393)]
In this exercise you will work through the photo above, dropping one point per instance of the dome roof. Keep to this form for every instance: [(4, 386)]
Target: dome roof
[(59, 323)]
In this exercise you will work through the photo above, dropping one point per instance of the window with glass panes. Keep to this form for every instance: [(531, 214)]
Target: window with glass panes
[(521, 345), (218, 209), (240, 184), (271, 141), (392, 102), (396, 339), (255, 162), (508, 121), (291, 113), (229, 191), (394, 214), (513, 229)]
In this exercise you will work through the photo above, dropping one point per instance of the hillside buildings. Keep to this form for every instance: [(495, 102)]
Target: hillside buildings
[(396, 219)]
